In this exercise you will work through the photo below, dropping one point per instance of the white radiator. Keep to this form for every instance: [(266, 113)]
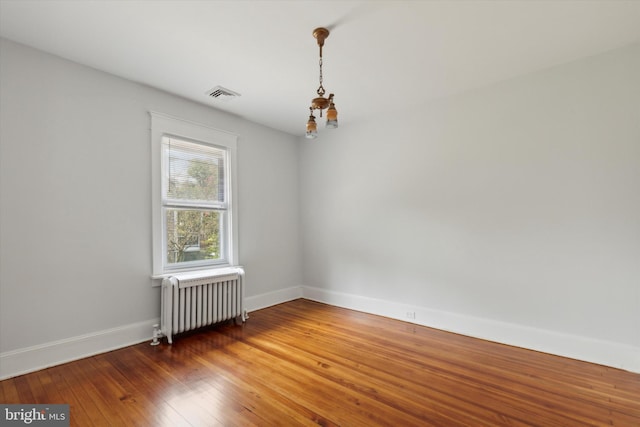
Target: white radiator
[(193, 300)]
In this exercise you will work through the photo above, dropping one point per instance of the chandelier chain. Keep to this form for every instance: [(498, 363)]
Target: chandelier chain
[(321, 90)]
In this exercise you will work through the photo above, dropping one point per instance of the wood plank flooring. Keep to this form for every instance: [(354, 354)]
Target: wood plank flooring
[(305, 363)]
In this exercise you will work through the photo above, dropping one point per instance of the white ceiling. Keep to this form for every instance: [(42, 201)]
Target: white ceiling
[(380, 56)]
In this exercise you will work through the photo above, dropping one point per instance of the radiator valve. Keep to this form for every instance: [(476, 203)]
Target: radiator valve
[(156, 334)]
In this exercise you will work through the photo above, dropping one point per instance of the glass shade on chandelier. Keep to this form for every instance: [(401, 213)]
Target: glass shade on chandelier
[(312, 127), (332, 116), (320, 102)]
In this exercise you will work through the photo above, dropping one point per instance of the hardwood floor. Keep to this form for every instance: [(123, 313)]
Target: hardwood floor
[(305, 363)]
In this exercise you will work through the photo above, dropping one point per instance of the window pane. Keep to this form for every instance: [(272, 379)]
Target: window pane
[(195, 171), (193, 235)]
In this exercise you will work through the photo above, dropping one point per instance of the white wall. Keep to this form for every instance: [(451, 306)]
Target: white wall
[(511, 212), (75, 205)]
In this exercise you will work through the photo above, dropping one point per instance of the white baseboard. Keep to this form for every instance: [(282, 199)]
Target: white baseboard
[(22, 361), (272, 298), (25, 360), (572, 346)]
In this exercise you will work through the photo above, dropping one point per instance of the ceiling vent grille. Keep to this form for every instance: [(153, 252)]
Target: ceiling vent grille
[(222, 93)]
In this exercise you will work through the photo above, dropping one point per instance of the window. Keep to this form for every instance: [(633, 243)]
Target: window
[(193, 220), (194, 202)]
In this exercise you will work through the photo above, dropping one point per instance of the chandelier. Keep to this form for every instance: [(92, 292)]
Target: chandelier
[(320, 102)]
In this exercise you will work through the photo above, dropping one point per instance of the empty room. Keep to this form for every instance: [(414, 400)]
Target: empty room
[(336, 213)]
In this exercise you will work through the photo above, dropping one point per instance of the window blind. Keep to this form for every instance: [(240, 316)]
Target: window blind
[(194, 173)]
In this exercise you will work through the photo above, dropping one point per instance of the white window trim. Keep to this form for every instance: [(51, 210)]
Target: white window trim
[(165, 125)]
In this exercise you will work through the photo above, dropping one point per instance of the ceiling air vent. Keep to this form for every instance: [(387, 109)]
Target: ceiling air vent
[(222, 93)]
